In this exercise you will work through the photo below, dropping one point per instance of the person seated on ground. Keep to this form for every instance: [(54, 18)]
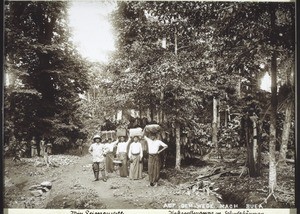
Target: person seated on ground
[(135, 156), (154, 160), (121, 153), (98, 151)]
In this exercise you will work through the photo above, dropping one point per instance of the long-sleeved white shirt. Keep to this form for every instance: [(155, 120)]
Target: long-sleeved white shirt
[(135, 148), (153, 145), (98, 151)]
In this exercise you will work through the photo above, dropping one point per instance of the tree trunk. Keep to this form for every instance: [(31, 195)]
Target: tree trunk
[(178, 155), (229, 117), (226, 118), (226, 112), (94, 93), (175, 41), (157, 114), (140, 113), (288, 116), (250, 136), (218, 113), (161, 113), (152, 113), (254, 149), (285, 134), (149, 114), (238, 87), (214, 124), (177, 125), (273, 116), (88, 97)]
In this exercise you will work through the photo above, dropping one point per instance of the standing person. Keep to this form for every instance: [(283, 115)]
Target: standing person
[(20, 148), (46, 152), (135, 155), (23, 147), (42, 146), (110, 155), (154, 160), (49, 147), (79, 143), (98, 151), (122, 156), (33, 147)]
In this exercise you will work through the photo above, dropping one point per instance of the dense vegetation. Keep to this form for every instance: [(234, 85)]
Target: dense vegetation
[(192, 67)]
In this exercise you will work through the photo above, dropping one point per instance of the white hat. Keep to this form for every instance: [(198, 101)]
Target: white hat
[(97, 136)]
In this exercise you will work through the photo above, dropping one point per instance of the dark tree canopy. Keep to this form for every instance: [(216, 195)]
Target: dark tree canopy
[(49, 73)]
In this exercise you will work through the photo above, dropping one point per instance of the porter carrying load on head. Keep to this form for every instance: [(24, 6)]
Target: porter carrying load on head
[(105, 135), (136, 132), (121, 132), (152, 129), (154, 145)]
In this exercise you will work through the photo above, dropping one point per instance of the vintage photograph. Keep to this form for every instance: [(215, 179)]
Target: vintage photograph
[(149, 105)]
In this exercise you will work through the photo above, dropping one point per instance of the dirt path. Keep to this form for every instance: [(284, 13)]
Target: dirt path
[(73, 187), (80, 176)]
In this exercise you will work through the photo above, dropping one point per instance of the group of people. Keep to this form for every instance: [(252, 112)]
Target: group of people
[(33, 148), (128, 153), (45, 147)]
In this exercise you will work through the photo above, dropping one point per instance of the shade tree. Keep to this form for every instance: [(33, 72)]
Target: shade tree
[(44, 61)]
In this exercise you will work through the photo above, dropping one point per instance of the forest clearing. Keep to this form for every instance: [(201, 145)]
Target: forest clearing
[(152, 105)]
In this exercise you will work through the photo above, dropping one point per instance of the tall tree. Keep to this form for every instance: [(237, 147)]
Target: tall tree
[(179, 74), (217, 45), (37, 46), (252, 43), (287, 101)]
